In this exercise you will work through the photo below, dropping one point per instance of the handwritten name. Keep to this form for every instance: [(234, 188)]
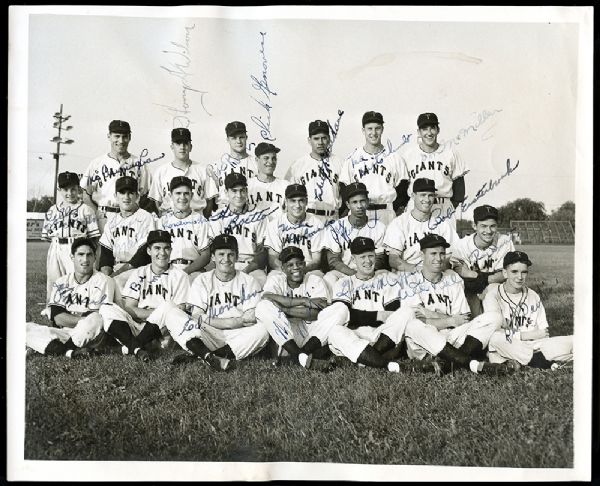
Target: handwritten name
[(482, 117), (262, 85), (67, 296)]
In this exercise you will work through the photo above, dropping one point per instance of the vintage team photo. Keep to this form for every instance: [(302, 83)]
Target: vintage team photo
[(300, 240)]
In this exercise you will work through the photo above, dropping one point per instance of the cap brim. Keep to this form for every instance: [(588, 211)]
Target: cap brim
[(295, 194)]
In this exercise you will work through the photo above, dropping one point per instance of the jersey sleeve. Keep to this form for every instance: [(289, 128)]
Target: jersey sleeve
[(540, 314), (91, 221), (409, 289), (346, 172), (272, 238), (210, 187), (394, 238), (106, 240), (459, 167), (102, 293), (289, 175), (332, 235), (87, 180), (198, 296), (379, 239), (203, 234), (154, 192), (181, 288), (490, 301), (460, 304), (55, 294), (273, 284), (148, 225), (144, 180), (317, 287), (250, 294), (48, 219), (260, 230), (342, 291), (133, 286)]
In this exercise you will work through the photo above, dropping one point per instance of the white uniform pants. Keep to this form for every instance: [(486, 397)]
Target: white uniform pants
[(58, 263), (422, 338), (352, 342), (557, 348), (283, 328), (87, 332)]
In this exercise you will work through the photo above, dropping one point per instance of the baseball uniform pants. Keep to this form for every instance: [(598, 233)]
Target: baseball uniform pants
[(87, 332), (58, 263), (557, 348)]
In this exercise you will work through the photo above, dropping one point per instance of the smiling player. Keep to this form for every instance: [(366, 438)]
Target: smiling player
[(265, 191)]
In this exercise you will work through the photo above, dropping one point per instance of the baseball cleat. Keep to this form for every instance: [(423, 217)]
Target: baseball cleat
[(496, 369), (415, 366), (310, 363), (183, 358), (217, 363), (562, 365)]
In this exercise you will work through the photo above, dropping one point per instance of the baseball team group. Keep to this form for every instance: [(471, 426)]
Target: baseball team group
[(351, 261)]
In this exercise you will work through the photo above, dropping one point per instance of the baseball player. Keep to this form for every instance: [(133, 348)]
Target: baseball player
[(441, 163), (294, 309), (436, 314), (402, 236), (125, 232), (340, 233), (98, 181), (265, 191), (295, 227), (524, 336), (379, 170), (64, 222), (237, 160), (154, 299), (478, 258), (223, 300), (247, 227), (74, 304), (204, 190), (319, 172)]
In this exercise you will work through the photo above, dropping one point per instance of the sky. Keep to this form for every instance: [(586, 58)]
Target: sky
[(500, 90)]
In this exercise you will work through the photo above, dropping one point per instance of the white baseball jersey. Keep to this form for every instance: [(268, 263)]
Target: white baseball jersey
[(218, 171), (339, 234), (380, 172), (203, 186), (267, 196), (216, 298), (78, 298), (100, 177), (488, 260), (189, 235), (248, 228), (306, 235), (446, 296), (312, 286), (321, 178), (123, 236), (403, 234), (152, 290), (70, 221), (524, 311), (442, 166), (366, 295)]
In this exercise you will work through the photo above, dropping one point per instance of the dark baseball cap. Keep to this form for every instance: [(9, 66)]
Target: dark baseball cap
[(295, 190), (290, 252), (180, 135), (265, 148), (425, 119), (318, 126), (360, 244), (235, 179), (126, 182), (423, 185), (354, 189), (81, 242), (119, 126), (481, 213), (235, 127), (516, 257), (431, 240), (372, 117), (224, 242), (66, 179), (178, 181), (158, 236)]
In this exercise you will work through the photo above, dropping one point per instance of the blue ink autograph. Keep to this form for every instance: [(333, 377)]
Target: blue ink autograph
[(107, 173), (65, 295), (463, 132), (325, 170), (262, 85)]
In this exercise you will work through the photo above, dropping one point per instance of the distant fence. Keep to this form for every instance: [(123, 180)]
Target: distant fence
[(538, 232), (35, 221)]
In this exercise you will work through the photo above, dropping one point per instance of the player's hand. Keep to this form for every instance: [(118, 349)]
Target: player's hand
[(461, 319)]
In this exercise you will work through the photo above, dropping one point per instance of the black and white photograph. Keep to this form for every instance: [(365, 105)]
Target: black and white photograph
[(317, 243)]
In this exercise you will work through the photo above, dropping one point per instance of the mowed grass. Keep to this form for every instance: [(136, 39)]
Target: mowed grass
[(116, 408)]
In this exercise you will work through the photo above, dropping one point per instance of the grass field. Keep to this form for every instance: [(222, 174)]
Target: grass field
[(116, 408)]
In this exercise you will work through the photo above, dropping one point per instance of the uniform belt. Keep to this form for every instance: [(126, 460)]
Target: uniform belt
[(377, 206), (182, 260), (109, 209), (64, 241), (320, 212)]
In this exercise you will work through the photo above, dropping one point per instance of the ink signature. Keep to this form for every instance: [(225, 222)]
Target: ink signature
[(262, 85)]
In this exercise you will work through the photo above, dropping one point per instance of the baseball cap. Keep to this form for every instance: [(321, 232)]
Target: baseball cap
[(158, 236), (481, 213), (431, 240), (224, 242), (423, 185), (178, 181), (354, 189), (119, 126), (290, 252), (126, 182), (516, 257), (360, 244), (295, 190), (81, 242), (235, 179), (235, 127), (66, 179), (181, 135), (318, 126), (425, 119), (372, 117), (265, 148)]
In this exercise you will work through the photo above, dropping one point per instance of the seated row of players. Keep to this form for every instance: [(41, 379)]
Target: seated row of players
[(373, 319)]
